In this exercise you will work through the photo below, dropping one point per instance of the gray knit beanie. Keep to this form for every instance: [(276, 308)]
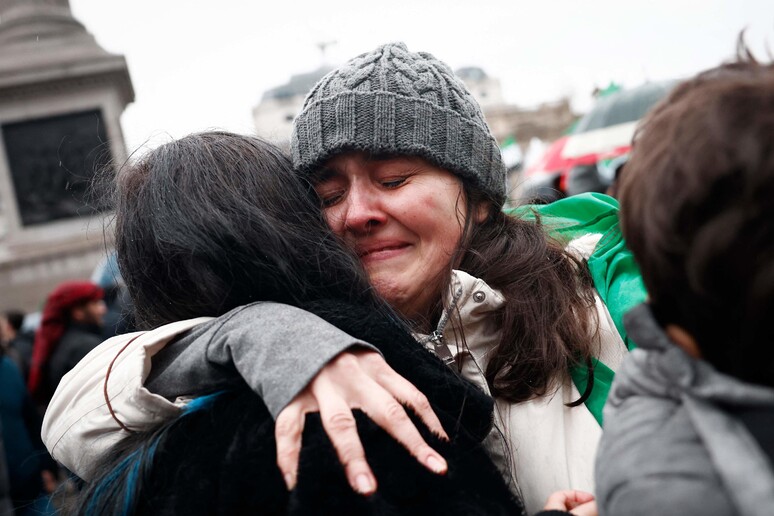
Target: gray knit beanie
[(399, 102)]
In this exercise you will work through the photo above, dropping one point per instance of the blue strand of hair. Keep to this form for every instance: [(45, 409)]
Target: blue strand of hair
[(125, 479)]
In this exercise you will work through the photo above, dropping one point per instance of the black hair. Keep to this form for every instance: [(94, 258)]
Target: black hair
[(216, 220), (15, 319)]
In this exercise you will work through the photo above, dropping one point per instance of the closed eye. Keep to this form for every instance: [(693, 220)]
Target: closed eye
[(330, 199), (330, 188), (394, 183)]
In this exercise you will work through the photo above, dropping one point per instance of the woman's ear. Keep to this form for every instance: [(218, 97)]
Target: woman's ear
[(683, 339), (482, 211)]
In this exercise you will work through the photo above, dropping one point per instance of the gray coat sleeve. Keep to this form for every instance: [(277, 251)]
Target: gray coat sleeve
[(276, 349), (666, 494)]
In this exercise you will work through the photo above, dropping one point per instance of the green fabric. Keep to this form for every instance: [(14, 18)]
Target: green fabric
[(613, 270)]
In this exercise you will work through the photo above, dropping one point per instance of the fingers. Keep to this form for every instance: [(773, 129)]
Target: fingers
[(576, 498), (386, 412), (339, 424), (567, 500), (381, 393), (556, 502), (404, 391), (360, 379), (287, 432), (586, 509)]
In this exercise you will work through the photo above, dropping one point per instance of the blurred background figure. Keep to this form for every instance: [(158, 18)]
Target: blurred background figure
[(119, 317), (71, 326), (16, 340), (27, 471), (6, 506)]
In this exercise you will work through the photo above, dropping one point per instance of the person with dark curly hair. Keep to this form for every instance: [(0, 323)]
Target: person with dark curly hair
[(688, 428)]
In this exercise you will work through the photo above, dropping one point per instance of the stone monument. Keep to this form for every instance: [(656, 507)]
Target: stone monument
[(61, 98)]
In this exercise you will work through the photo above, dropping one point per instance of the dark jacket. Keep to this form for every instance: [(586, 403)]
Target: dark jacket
[(219, 457), (24, 456), (6, 505), (21, 347), (76, 342)]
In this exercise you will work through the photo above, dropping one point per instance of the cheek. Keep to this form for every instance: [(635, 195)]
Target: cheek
[(444, 219), (449, 232), (441, 231), (335, 220), (449, 240)]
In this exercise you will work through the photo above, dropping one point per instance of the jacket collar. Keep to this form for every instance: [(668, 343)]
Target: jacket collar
[(466, 326), (663, 368), (659, 370)]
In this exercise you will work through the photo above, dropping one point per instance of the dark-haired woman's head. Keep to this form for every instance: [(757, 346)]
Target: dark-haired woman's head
[(216, 220), (697, 212)]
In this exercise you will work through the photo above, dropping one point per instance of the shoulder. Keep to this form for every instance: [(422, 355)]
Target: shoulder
[(261, 314), (635, 467), (573, 216), (588, 225), (77, 413), (647, 425)]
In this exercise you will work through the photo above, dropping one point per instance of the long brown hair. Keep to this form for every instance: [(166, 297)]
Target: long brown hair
[(548, 321)]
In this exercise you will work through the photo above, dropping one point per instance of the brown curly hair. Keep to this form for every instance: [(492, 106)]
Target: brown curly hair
[(697, 208)]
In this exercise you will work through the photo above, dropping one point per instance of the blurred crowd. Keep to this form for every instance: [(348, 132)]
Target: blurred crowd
[(36, 351)]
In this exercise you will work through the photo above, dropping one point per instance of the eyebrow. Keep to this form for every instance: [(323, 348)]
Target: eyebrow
[(321, 175)]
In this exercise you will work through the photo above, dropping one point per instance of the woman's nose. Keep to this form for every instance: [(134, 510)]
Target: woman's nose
[(363, 210)]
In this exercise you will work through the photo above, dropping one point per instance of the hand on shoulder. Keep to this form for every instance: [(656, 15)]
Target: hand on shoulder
[(357, 379)]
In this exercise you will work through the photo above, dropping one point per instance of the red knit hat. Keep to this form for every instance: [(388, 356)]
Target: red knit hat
[(54, 322)]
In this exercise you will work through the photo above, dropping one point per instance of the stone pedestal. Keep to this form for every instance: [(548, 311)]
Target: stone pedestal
[(61, 98)]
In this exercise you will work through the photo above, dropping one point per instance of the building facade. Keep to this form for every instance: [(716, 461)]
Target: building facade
[(61, 98), (273, 116)]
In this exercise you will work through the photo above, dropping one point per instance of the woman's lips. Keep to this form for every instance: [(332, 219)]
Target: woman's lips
[(380, 252)]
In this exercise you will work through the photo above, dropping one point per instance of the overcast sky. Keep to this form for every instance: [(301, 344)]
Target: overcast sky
[(199, 64)]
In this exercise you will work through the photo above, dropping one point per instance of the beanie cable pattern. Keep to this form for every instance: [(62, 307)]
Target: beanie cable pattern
[(393, 101)]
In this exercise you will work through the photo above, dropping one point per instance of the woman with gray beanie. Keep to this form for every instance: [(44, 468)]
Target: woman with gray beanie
[(410, 177)]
